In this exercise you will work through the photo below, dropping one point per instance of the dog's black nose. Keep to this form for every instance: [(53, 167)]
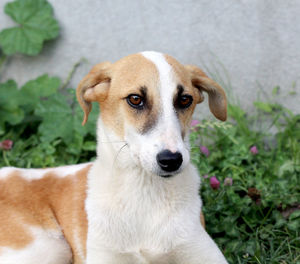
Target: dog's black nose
[(169, 161)]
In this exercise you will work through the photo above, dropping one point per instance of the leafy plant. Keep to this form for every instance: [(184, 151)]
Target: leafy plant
[(46, 118), (15, 103), (63, 120), (251, 183), (36, 24), (10, 110), (41, 118)]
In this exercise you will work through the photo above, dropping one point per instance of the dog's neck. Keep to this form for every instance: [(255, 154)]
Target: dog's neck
[(110, 148)]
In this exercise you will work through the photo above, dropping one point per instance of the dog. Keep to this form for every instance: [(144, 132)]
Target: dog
[(138, 202)]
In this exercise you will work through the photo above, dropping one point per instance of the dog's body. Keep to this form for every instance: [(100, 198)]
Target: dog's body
[(138, 202)]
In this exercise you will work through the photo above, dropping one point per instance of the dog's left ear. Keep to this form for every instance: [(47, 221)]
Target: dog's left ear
[(216, 95), (94, 87)]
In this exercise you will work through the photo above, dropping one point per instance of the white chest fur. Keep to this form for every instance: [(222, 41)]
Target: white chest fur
[(131, 212)]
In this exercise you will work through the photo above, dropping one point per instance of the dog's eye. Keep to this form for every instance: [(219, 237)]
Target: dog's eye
[(184, 101), (135, 101)]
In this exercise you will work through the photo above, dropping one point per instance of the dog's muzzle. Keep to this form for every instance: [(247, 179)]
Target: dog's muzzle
[(169, 161)]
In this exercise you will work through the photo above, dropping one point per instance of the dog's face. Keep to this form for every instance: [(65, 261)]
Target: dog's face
[(147, 100)]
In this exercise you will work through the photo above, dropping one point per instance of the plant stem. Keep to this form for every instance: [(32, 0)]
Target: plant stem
[(5, 158), (2, 61), (71, 73)]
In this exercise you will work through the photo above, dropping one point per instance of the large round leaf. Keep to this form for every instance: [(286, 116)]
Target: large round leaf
[(36, 24)]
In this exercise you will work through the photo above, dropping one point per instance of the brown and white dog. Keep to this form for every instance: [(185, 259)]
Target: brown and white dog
[(138, 202)]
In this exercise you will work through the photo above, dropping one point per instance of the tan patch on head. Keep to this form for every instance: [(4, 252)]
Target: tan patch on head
[(129, 76), (110, 84), (183, 78), (50, 203)]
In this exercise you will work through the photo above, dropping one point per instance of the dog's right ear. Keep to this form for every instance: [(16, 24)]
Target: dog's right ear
[(94, 87)]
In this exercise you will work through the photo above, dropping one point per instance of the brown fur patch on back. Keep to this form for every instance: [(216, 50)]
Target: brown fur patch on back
[(49, 203)]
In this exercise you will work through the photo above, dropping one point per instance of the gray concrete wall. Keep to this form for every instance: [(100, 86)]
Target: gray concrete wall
[(257, 42)]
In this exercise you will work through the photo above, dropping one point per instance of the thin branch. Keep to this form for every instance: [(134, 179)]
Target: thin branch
[(2, 62), (71, 73)]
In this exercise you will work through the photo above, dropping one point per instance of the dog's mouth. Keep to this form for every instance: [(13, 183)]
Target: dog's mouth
[(166, 176)]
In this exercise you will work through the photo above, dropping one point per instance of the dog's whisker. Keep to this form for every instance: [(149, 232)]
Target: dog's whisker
[(119, 151), (116, 157)]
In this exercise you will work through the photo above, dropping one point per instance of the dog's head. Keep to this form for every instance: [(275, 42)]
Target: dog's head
[(147, 100)]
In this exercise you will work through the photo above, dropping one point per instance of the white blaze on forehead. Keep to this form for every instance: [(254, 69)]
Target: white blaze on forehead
[(166, 77), (168, 122)]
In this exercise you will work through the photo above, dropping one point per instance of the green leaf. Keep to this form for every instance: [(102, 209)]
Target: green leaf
[(250, 247), (10, 110), (62, 120), (42, 86), (57, 118), (8, 93), (265, 107), (36, 24), (89, 146), (287, 166), (294, 225), (295, 215), (75, 147), (233, 245), (280, 222)]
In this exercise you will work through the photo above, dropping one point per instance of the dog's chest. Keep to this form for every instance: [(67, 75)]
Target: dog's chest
[(134, 220), (142, 217), (142, 233)]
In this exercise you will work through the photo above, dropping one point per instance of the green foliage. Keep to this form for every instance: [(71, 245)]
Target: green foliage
[(10, 110), (45, 124), (15, 103), (41, 87), (61, 121), (35, 25), (257, 219)]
